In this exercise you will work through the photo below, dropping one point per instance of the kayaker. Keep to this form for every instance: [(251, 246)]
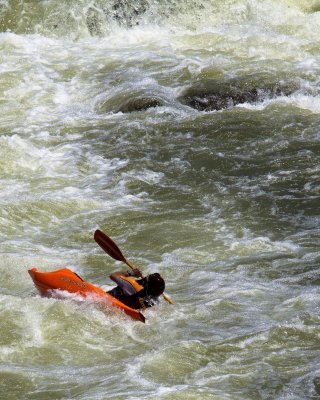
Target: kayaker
[(137, 294)]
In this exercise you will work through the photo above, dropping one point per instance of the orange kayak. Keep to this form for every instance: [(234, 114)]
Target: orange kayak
[(65, 279)]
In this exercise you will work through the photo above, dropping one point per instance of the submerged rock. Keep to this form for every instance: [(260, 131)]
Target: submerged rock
[(127, 13), (131, 104), (99, 17), (140, 104), (215, 94), (316, 383)]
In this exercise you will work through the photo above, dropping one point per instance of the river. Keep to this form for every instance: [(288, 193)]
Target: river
[(188, 131)]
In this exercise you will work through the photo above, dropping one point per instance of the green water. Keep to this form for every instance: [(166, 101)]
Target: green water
[(108, 120)]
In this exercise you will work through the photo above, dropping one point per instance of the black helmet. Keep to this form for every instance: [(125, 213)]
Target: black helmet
[(155, 284)]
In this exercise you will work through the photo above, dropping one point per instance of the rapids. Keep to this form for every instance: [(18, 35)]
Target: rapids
[(189, 132)]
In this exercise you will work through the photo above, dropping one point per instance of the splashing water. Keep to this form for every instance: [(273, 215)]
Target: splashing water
[(189, 132)]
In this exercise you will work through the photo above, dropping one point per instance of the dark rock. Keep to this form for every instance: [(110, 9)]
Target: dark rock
[(127, 104), (316, 383), (217, 94), (127, 13), (141, 104)]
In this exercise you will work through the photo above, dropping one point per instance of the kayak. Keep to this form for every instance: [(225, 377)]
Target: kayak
[(65, 279)]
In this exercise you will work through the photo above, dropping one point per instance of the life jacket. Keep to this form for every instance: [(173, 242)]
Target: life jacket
[(137, 300)]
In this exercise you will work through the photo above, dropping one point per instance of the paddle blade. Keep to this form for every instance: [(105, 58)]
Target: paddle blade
[(109, 246)]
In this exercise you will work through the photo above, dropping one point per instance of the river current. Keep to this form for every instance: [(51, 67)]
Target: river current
[(188, 131)]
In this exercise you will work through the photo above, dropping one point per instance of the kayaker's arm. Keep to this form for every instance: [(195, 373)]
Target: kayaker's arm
[(127, 285), (116, 276)]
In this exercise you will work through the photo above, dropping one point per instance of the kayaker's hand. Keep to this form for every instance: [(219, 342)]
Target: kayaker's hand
[(136, 272)]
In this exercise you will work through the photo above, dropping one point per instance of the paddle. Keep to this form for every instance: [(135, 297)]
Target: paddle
[(109, 246)]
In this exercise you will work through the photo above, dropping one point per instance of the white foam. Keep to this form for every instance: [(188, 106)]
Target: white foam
[(263, 245)]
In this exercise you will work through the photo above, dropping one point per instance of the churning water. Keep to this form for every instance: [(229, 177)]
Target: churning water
[(189, 132)]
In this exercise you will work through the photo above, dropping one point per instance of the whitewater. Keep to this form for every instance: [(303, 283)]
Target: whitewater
[(189, 132)]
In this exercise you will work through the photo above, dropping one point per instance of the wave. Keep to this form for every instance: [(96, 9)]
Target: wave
[(79, 18)]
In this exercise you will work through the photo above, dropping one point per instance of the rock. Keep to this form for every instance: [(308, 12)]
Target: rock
[(140, 104), (215, 94), (127, 13), (316, 383), (131, 104)]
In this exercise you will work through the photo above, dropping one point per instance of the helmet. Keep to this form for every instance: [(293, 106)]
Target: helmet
[(155, 284)]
